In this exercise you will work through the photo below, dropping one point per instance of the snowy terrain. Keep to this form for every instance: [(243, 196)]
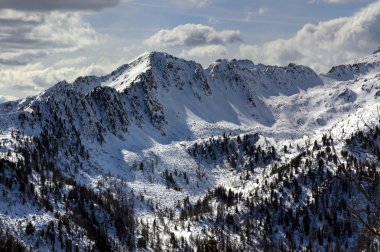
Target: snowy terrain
[(133, 133)]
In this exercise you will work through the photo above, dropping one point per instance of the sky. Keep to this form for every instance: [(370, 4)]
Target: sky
[(44, 42)]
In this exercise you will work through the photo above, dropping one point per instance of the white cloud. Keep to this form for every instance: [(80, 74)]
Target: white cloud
[(192, 3), (262, 10), (65, 30), (211, 51), (43, 5), (71, 61), (33, 78), (213, 20), (324, 45), (6, 98), (258, 12), (192, 35), (25, 36)]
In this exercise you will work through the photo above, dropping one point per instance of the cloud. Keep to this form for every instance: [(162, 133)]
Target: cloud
[(213, 20), (43, 5), (338, 1), (344, 1), (262, 10), (211, 51), (5, 98), (71, 61), (258, 12), (11, 62), (33, 78), (26, 36), (325, 44), (192, 3), (192, 35)]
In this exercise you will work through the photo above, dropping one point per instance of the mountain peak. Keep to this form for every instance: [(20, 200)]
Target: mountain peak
[(153, 56)]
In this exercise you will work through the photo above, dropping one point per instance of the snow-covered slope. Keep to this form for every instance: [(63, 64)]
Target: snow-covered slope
[(161, 133)]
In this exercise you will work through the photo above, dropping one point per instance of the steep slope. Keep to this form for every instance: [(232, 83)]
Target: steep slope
[(148, 143)]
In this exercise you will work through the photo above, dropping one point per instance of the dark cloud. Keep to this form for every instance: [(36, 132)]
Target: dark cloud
[(49, 5), (13, 33)]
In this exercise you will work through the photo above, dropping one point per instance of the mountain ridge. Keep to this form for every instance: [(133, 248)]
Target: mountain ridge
[(154, 74)]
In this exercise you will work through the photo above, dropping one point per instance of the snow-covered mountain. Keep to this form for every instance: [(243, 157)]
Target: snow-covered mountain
[(164, 154)]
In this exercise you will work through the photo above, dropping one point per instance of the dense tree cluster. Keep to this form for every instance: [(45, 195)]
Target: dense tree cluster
[(243, 152), (8, 243)]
